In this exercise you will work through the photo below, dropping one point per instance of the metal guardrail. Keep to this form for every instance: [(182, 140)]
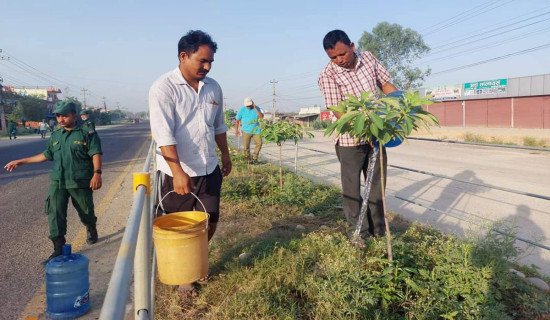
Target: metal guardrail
[(134, 255)]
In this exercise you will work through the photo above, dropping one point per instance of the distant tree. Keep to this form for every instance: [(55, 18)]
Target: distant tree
[(76, 101), (30, 107), (397, 48), (230, 114)]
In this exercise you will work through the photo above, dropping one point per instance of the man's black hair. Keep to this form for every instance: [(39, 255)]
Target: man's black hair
[(330, 40), (191, 42)]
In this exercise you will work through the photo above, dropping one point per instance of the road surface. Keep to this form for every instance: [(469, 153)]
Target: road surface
[(24, 229)]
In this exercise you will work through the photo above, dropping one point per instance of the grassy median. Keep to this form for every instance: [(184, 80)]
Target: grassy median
[(284, 254)]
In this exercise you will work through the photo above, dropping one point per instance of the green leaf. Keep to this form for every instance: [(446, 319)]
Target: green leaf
[(359, 124), (377, 120)]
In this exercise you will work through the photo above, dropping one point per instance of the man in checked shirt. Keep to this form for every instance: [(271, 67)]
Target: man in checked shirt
[(353, 72)]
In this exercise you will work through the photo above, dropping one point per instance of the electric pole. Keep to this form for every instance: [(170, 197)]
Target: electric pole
[(104, 104), (273, 82), (84, 96), (2, 114), (224, 108)]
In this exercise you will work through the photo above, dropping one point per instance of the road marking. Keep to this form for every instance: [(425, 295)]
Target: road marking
[(38, 300)]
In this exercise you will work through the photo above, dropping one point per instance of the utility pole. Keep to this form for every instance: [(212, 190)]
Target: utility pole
[(273, 82), (224, 108), (104, 104), (2, 113), (84, 96)]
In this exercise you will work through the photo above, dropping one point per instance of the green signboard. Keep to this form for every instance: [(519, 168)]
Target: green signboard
[(485, 87)]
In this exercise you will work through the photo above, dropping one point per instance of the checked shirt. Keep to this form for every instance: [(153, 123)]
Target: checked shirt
[(335, 82)]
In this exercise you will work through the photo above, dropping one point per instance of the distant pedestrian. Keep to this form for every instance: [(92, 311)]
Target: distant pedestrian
[(23, 121), (187, 123), (352, 72), (43, 126), (12, 129), (52, 125), (76, 174), (87, 122), (248, 116)]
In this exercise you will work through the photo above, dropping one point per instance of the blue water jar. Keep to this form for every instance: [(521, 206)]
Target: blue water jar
[(67, 285)]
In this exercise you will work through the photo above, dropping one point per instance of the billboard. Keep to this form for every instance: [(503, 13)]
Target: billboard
[(485, 87), (39, 93), (445, 92), (325, 115)]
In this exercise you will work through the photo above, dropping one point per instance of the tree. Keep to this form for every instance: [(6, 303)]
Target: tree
[(397, 48), (32, 108), (384, 120), (279, 132)]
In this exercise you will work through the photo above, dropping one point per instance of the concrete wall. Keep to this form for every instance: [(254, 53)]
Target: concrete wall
[(520, 112)]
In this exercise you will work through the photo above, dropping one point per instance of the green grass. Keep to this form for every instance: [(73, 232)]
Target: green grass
[(314, 272)]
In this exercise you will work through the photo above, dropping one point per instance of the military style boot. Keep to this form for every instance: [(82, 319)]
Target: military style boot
[(58, 243), (92, 234)]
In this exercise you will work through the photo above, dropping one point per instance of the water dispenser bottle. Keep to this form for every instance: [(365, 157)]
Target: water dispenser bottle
[(67, 285)]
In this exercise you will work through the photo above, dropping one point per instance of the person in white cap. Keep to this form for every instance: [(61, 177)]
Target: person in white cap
[(248, 116)]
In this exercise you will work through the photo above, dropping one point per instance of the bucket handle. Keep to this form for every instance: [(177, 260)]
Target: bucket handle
[(199, 200)]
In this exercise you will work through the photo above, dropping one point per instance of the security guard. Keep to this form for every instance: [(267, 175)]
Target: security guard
[(76, 153), (87, 123)]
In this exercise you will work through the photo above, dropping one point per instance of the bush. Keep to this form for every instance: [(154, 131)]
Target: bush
[(320, 124)]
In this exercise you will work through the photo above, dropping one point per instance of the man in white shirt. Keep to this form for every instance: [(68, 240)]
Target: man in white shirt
[(187, 123)]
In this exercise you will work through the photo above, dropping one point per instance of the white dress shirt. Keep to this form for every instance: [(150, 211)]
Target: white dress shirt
[(188, 119)]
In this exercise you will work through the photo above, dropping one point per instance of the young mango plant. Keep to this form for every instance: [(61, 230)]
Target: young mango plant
[(279, 132), (384, 121)]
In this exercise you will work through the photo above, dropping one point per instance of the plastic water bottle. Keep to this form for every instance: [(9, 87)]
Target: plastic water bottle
[(67, 285)]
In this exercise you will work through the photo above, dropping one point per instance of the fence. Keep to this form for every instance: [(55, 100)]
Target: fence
[(134, 254)]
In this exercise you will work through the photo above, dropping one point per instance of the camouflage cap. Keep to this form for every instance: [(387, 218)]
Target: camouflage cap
[(64, 107), (85, 112)]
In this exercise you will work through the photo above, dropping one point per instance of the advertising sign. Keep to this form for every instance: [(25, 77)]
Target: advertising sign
[(446, 92), (485, 87), (325, 115), (39, 93)]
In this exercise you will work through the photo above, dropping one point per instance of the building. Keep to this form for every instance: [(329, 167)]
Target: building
[(306, 116), (522, 102)]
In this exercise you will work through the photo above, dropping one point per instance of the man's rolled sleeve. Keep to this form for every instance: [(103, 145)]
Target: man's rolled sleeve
[(161, 113), (48, 151), (382, 74), (94, 145), (219, 123), (330, 90)]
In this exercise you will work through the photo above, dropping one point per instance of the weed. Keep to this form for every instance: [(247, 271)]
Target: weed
[(473, 137), (534, 142), (314, 273)]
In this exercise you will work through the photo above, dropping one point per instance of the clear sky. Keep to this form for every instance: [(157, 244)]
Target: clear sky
[(116, 49)]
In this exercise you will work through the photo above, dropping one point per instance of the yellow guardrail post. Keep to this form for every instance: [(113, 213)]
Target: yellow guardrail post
[(142, 259)]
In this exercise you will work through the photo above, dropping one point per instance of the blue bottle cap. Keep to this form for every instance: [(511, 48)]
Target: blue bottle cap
[(66, 250)]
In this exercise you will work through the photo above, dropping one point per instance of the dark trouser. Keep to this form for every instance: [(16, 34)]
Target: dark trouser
[(353, 162), (207, 188), (257, 145), (56, 208)]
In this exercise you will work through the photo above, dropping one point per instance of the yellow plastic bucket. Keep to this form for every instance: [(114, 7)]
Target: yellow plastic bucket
[(181, 244)]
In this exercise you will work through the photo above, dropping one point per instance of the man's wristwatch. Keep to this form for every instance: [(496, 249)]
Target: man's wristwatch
[(97, 171)]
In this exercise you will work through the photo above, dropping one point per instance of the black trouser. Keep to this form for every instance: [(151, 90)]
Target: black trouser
[(353, 162)]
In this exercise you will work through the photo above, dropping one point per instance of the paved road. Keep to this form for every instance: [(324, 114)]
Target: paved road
[(23, 231), (460, 204)]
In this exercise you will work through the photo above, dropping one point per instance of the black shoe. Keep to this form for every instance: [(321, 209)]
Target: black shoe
[(58, 243), (92, 235)]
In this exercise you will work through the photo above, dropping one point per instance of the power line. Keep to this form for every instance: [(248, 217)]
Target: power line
[(488, 45), (488, 31), (489, 36), (469, 17), (455, 17), (517, 53)]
